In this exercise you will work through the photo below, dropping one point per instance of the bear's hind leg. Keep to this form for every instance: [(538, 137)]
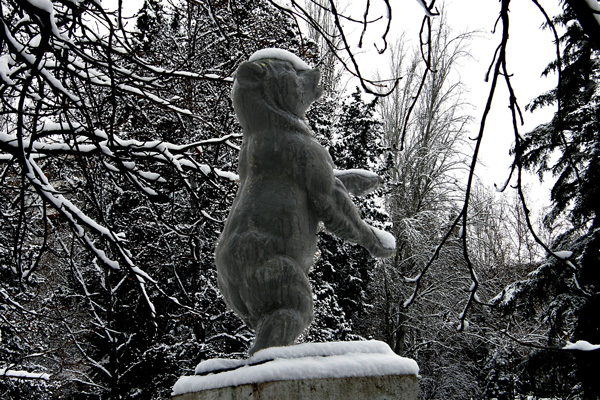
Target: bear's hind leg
[(279, 328), (282, 301)]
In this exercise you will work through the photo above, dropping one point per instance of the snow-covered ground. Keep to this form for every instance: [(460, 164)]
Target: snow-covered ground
[(303, 361)]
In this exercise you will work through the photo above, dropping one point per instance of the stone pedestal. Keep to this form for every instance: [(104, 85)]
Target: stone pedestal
[(342, 370)]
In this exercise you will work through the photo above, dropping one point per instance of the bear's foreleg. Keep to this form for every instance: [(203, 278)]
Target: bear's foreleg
[(358, 182), (340, 216)]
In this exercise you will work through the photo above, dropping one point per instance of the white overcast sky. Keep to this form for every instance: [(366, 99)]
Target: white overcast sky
[(530, 50)]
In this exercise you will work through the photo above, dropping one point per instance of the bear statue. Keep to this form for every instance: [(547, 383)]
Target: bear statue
[(288, 185)]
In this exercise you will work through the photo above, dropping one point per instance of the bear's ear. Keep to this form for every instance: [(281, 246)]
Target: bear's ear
[(250, 71)]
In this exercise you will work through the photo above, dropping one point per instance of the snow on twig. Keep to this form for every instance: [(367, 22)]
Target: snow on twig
[(427, 8), (80, 222), (15, 374), (32, 62)]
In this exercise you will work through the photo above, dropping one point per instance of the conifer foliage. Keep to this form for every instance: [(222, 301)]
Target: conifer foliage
[(343, 271), (563, 294)]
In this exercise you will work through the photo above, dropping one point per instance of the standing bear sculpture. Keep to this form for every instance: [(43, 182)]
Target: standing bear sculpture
[(288, 185)]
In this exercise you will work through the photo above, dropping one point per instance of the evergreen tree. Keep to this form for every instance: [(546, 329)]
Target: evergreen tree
[(343, 271), (564, 292), (358, 135)]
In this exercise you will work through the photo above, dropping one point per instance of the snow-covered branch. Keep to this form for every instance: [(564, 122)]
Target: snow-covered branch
[(15, 374), (68, 76)]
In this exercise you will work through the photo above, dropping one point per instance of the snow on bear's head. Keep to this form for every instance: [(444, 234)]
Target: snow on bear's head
[(274, 81)]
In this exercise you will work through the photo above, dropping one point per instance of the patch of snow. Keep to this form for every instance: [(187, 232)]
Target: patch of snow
[(205, 169), (280, 54), (361, 172), (321, 350), (45, 5), (595, 7), (215, 77), (462, 325), (50, 126), (208, 216), (387, 240), (571, 265), (110, 167), (424, 5), (227, 175), (303, 361), (129, 164), (5, 62), (506, 296), (10, 373), (31, 59), (217, 140), (151, 176), (218, 364), (563, 255), (581, 345)]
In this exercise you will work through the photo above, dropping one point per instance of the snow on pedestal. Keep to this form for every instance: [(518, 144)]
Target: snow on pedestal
[(365, 369)]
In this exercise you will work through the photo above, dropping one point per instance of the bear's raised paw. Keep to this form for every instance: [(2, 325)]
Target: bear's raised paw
[(385, 244)]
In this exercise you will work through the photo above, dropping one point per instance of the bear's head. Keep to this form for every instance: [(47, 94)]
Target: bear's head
[(279, 84)]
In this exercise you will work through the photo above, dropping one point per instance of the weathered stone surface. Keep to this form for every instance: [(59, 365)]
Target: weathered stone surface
[(360, 388)]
